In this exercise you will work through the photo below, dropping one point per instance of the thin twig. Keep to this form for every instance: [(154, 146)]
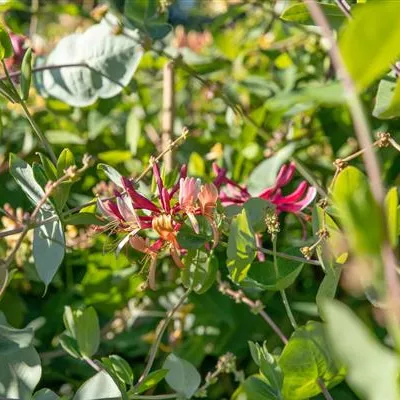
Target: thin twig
[(168, 113), (72, 65), (289, 257), (394, 144), (255, 306), (162, 326), (345, 7), (285, 300)]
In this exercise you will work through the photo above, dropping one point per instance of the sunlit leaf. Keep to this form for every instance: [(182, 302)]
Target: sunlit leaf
[(372, 369), (369, 44), (304, 360)]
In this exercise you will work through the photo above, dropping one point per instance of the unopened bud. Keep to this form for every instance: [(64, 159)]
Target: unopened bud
[(272, 223), (307, 252), (383, 139), (227, 363)]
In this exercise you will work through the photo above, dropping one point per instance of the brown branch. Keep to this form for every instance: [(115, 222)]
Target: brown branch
[(168, 113)]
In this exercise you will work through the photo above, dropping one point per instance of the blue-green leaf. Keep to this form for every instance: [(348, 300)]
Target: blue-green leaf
[(182, 376)]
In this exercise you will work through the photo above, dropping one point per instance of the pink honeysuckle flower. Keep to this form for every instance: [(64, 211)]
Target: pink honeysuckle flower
[(208, 197), (18, 44), (189, 189), (294, 202)]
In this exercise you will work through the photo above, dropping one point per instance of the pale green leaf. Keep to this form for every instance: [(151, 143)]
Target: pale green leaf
[(369, 41), (182, 376), (113, 59), (133, 132), (48, 246), (299, 13), (100, 386), (372, 369), (87, 332)]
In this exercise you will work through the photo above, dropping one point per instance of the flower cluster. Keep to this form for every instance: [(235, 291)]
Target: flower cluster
[(294, 202), (132, 213)]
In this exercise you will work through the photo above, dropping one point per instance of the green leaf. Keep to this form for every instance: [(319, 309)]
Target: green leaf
[(20, 373), (304, 360), (23, 174), (144, 15), (358, 212), (115, 156), (64, 137), (372, 369), (200, 270), (151, 380), (99, 386), (182, 376), (255, 387), (196, 165), (120, 367), (111, 173), (140, 11), (69, 320), (256, 210), (6, 48), (26, 74), (45, 394), (12, 339), (268, 366), (133, 132), (308, 97), (20, 369), (70, 345), (264, 175), (391, 205), (387, 102), (328, 287), (66, 159), (263, 276), (369, 44), (48, 246), (87, 332), (49, 167), (299, 13), (189, 239), (83, 218), (113, 60), (241, 247)]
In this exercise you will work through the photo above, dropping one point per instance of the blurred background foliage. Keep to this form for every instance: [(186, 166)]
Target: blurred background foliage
[(241, 56)]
